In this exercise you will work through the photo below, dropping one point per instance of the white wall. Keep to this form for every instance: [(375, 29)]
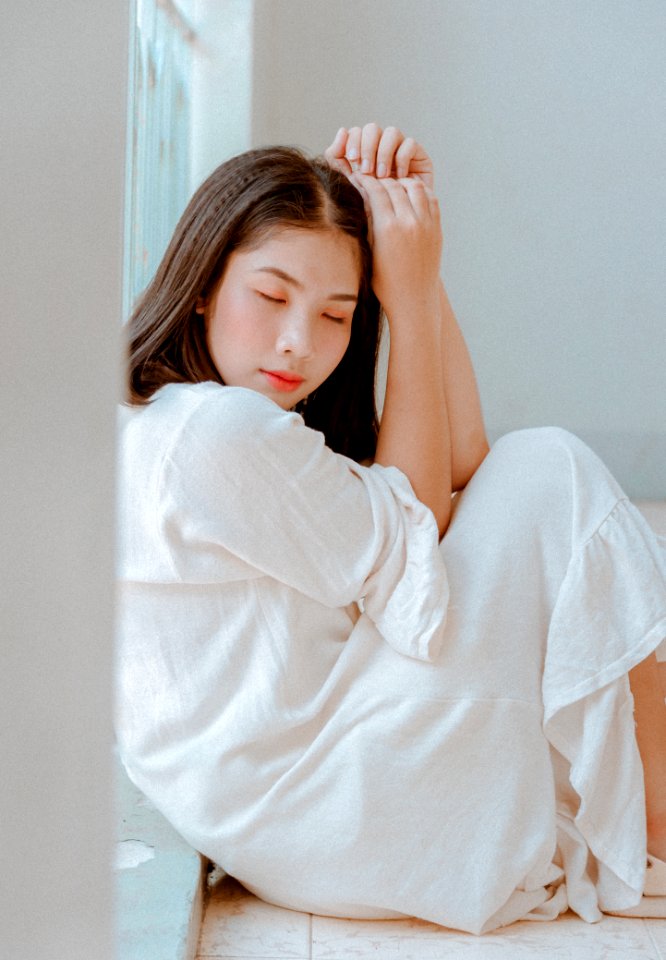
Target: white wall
[(221, 83), (547, 126), (62, 103)]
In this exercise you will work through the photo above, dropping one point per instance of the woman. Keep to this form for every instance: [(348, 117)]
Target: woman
[(350, 716)]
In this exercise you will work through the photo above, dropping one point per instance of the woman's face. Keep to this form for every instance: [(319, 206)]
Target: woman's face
[(279, 321)]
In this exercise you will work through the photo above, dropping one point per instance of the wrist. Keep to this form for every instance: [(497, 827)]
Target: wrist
[(411, 312)]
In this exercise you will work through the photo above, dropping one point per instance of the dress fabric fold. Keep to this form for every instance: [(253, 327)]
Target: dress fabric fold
[(356, 720)]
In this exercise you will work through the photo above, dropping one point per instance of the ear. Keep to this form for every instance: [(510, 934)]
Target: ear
[(200, 306)]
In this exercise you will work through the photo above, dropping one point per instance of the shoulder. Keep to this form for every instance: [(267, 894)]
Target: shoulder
[(180, 408), (209, 423), (232, 415), (186, 420)]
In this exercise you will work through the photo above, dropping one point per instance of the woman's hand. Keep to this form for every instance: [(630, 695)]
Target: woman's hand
[(432, 425), (394, 175), (406, 244), (380, 153)]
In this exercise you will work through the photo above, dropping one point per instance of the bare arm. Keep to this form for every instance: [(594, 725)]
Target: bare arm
[(469, 444), (414, 432), (432, 425)]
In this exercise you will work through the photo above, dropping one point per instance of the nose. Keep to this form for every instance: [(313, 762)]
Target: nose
[(295, 335)]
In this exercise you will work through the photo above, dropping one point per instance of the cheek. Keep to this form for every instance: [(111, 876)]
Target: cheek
[(234, 323), (345, 343), (236, 330), (336, 345)]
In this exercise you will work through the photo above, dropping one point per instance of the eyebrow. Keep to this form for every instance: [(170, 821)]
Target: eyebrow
[(352, 298)]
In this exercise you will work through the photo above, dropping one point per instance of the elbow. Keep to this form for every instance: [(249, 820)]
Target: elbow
[(443, 516), (443, 527), (464, 468)]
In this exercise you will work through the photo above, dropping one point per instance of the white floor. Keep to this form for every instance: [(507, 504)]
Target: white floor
[(238, 926)]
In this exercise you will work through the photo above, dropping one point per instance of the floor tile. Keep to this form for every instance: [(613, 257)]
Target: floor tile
[(238, 926), (657, 931), (567, 938)]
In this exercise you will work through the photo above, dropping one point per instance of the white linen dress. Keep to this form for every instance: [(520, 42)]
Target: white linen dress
[(463, 749)]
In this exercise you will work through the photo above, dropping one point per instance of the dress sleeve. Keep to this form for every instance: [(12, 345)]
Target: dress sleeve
[(243, 477)]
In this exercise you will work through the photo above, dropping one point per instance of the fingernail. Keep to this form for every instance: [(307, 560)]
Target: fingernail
[(366, 166), (381, 169), (352, 154)]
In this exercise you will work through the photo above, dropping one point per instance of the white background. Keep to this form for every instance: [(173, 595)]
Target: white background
[(546, 121)]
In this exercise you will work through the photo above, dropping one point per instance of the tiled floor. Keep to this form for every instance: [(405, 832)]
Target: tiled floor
[(237, 926)]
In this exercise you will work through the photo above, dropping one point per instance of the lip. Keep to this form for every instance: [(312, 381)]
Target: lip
[(283, 380)]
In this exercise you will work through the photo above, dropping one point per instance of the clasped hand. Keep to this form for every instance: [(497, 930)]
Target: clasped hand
[(394, 175)]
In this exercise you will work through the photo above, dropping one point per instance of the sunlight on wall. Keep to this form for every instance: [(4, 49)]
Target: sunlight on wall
[(158, 154), (221, 84), (189, 109)]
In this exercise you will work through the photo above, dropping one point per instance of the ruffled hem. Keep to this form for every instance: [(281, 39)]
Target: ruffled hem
[(614, 591)]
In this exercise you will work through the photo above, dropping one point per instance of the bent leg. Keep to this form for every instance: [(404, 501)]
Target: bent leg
[(564, 566), (544, 530), (647, 687)]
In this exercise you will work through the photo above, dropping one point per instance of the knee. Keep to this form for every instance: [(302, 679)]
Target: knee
[(538, 461), (524, 487), (533, 444), (552, 458)]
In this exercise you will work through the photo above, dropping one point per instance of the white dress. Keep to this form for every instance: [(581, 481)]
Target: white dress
[(463, 749)]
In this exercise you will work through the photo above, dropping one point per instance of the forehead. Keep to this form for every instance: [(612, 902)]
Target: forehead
[(322, 255)]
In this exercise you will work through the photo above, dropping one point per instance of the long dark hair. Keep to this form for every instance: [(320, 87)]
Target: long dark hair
[(239, 204)]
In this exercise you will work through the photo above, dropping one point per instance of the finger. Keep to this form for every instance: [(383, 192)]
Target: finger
[(390, 141), (335, 153), (416, 192), (404, 156), (353, 148), (356, 181), (433, 207), (408, 201), (379, 197), (370, 136), (392, 199), (422, 197), (336, 150), (413, 161), (342, 165), (418, 195), (433, 203)]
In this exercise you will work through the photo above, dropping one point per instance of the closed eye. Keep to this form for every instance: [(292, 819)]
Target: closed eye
[(266, 296), (329, 316)]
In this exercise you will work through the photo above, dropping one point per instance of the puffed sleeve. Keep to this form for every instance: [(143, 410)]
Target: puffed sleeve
[(244, 479)]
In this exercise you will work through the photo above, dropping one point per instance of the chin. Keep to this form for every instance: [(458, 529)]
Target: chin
[(283, 401)]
